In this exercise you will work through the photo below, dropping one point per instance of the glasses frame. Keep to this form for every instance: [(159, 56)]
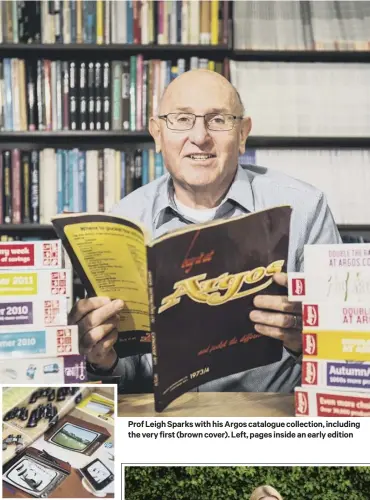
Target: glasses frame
[(235, 117)]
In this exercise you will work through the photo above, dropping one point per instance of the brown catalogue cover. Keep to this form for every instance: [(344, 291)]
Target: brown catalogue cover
[(189, 292)]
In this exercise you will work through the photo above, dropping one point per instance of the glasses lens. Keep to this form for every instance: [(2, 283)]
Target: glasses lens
[(219, 122), (180, 121)]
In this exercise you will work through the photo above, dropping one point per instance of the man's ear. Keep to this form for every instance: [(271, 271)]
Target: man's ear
[(245, 129), (155, 131)]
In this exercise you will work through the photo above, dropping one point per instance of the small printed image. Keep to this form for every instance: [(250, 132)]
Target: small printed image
[(55, 443), (247, 483), (98, 406)]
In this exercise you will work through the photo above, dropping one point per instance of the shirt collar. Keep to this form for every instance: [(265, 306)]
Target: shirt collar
[(240, 192)]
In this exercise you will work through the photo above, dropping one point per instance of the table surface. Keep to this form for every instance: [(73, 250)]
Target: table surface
[(211, 404)]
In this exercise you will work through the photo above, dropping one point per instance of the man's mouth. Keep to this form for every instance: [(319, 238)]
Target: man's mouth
[(200, 156)]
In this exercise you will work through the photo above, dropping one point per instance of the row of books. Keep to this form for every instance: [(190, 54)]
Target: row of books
[(302, 25), (35, 298), (305, 99), (334, 291), (343, 175), (87, 95), (38, 184), (115, 21)]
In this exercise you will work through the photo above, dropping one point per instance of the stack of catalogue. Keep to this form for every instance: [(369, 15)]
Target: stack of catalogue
[(36, 345), (335, 294)]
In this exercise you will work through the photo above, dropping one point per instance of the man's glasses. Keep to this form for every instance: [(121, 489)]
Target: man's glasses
[(213, 121)]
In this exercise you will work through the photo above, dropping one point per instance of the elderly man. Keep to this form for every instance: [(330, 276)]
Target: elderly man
[(200, 131)]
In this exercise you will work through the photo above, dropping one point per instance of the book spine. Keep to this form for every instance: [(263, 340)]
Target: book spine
[(158, 165), (31, 97), (65, 96), (15, 22), (83, 97), (35, 35), (72, 160), (58, 37), (47, 95), (132, 93), (139, 92), (60, 181), (107, 22), (130, 21), (145, 115), (35, 187), (106, 95), (22, 94), (98, 96), (138, 175), (39, 92), (26, 187), (123, 174), (225, 21), (73, 20), (79, 21), (136, 5), (7, 187), (72, 96), (101, 180), (65, 176), (59, 94), (145, 168), (91, 95), (8, 94), (15, 94), (16, 187), (99, 22), (214, 21), (117, 176), (66, 22), (54, 114), (116, 95), (151, 165), (125, 95), (82, 180), (75, 201), (130, 172)]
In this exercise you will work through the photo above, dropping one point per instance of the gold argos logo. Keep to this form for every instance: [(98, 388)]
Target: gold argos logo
[(204, 291)]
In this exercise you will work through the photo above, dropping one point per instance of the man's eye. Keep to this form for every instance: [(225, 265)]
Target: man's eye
[(183, 118), (218, 119)]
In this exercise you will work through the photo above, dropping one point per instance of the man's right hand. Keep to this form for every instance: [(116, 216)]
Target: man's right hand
[(97, 319)]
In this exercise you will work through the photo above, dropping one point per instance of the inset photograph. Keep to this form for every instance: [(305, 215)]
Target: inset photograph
[(247, 483), (58, 442)]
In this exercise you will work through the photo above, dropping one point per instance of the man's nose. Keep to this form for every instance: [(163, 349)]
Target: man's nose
[(199, 133)]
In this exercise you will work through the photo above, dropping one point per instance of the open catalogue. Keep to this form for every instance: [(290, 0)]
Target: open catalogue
[(187, 294)]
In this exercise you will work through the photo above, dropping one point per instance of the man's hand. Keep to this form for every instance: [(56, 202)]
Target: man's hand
[(282, 320), (97, 319)]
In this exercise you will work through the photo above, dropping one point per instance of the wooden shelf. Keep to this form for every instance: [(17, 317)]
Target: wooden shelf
[(25, 227), (124, 50), (301, 56), (354, 227), (74, 138), (223, 50)]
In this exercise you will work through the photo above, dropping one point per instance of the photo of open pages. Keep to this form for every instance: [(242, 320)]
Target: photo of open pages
[(57, 441)]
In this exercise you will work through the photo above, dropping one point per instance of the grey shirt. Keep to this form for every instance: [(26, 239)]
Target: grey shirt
[(254, 188)]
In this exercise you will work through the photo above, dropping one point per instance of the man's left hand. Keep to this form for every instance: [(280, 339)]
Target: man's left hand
[(282, 320)]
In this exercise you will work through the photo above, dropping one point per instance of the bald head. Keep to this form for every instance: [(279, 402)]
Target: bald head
[(200, 79)]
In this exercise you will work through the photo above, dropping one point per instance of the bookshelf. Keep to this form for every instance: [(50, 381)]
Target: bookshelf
[(111, 136), (141, 138)]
